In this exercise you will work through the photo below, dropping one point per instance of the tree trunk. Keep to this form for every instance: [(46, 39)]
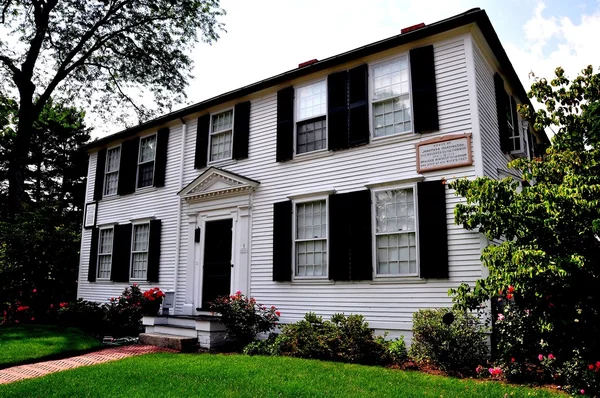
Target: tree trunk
[(20, 153)]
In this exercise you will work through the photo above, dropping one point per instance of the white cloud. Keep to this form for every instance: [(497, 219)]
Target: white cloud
[(575, 45)]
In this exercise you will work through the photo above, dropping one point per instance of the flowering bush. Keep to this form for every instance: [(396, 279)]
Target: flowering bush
[(17, 313), (83, 314), (244, 318), (152, 300)]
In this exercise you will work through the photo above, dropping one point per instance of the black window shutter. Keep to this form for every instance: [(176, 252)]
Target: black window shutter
[(282, 241), (202, 132), (154, 251), (162, 143), (358, 105), (424, 93), (501, 105), (433, 233), (128, 166), (337, 111), (241, 130), (99, 181), (93, 256), (121, 253), (285, 124), (350, 239)]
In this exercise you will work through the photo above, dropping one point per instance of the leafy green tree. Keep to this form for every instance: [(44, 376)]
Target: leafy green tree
[(109, 52), (545, 273), (39, 255)]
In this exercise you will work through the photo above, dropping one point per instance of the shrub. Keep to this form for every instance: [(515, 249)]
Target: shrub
[(267, 347), (244, 318), (397, 351), (344, 338), (86, 315), (455, 348)]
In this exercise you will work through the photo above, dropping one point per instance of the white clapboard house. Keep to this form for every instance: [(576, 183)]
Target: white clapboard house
[(320, 189)]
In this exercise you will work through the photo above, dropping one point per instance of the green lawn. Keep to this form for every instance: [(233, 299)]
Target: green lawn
[(205, 375), (28, 343)]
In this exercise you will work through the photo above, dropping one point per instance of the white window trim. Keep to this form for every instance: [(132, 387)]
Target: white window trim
[(298, 120), (132, 252), (137, 171), (211, 133), (370, 97), (377, 276), (98, 254), (106, 172), (295, 202)]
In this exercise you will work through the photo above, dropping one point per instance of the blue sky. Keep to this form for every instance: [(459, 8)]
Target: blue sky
[(267, 37)]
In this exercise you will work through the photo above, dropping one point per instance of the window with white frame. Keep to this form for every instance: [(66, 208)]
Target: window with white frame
[(391, 97), (139, 251), (311, 239), (395, 232), (146, 161), (111, 172), (221, 135), (105, 248), (311, 120), (514, 131)]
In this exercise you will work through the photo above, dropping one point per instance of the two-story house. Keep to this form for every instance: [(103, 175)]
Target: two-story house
[(320, 189)]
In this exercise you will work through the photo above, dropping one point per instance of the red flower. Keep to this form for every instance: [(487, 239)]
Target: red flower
[(22, 308), (509, 296), (598, 365), (64, 304), (512, 360), (510, 289), (591, 367), (550, 305), (32, 319), (277, 313), (238, 293), (550, 356), (500, 292)]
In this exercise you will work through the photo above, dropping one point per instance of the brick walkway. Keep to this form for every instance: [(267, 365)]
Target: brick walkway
[(17, 373)]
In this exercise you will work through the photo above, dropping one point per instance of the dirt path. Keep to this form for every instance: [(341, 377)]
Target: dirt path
[(38, 369)]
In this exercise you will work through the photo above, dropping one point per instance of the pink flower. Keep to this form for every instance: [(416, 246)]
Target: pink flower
[(495, 371), (500, 317), (512, 360), (239, 292), (582, 391), (550, 356), (541, 357), (51, 305), (35, 290), (32, 319)]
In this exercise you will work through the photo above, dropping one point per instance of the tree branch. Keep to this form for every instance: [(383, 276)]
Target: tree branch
[(5, 9), (9, 64)]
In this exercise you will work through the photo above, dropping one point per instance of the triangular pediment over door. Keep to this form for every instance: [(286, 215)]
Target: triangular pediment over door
[(215, 183)]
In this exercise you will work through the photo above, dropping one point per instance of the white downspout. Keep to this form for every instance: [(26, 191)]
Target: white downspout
[(180, 187)]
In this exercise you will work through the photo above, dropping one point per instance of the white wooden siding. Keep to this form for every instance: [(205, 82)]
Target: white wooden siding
[(160, 203), (387, 305)]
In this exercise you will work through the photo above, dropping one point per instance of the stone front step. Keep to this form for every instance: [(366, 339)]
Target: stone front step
[(208, 330), (174, 342)]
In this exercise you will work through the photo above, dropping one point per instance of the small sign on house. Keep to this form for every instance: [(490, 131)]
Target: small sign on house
[(444, 152)]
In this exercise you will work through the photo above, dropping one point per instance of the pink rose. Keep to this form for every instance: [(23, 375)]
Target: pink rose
[(550, 356), (541, 357), (500, 317)]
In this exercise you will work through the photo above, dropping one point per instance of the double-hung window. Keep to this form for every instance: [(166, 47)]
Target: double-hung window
[(139, 251), (310, 239), (111, 172), (105, 249), (221, 135), (311, 122), (390, 97), (395, 232), (146, 159)]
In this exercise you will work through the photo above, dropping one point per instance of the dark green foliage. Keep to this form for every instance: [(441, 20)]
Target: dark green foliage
[(82, 314), (550, 252), (397, 350), (266, 347), (344, 338), (456, 348)]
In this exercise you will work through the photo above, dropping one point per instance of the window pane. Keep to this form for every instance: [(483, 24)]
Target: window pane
[(312, 100), (395, 210), (111, 182), (220, 146), (396, 254), (390, 78), (312, 136), (139, 265), (106, 241), (311, 220), (104, 265), (147, 148), (141, 234), (391, 116), (113, 157), (145, 174), (222, 121), (311, 258)]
